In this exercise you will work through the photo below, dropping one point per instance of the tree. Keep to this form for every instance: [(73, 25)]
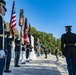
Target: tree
[(46, 39)]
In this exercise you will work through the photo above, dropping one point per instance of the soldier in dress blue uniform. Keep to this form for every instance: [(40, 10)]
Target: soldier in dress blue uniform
[(27, 51), (2, 13), (9, 40), (68, 48), (17, 50)]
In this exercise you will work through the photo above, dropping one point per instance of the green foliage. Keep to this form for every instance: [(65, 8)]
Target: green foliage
[(46, 39)]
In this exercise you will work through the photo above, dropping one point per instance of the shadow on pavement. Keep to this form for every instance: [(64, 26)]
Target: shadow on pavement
[(41, 68)]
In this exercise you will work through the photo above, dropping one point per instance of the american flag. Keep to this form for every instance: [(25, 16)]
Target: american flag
[(13, 17)]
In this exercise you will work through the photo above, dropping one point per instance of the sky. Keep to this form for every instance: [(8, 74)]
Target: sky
[(50, 16)]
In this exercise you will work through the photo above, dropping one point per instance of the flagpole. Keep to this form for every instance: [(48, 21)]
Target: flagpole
[(29, 34)]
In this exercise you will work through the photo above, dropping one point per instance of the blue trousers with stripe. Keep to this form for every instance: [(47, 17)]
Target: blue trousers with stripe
[(2, 60), (17, 56), (71, 65), (8, 59), (7, 62)]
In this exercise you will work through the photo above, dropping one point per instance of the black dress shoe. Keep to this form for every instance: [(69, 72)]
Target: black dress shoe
[(17, 66), (8, 71)]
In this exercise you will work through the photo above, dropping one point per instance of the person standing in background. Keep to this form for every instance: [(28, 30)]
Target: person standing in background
[(38, 47), (56, 54), (45, 51)]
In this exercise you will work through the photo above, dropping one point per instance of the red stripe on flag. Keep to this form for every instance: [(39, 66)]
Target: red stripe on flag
[(13, 26), (14, 16), (13, 21)]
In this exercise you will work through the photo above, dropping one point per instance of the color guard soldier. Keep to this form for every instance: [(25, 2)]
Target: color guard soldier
[(17, 50), (9, 40), (68, 48), (2, 31), (23, 53), (26, 42), (27, 52), (56, 54)]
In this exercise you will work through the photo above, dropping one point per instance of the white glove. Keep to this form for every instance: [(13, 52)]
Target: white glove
[(2, 54)]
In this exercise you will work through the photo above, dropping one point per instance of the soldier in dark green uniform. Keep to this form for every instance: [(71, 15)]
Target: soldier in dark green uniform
[(9, 40), (68, 48), (2, 31), (17, 50)]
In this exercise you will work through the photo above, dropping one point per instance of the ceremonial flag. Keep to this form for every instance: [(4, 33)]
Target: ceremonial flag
[(13, 18), (25, 36), (21, 19), (26, 25)]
